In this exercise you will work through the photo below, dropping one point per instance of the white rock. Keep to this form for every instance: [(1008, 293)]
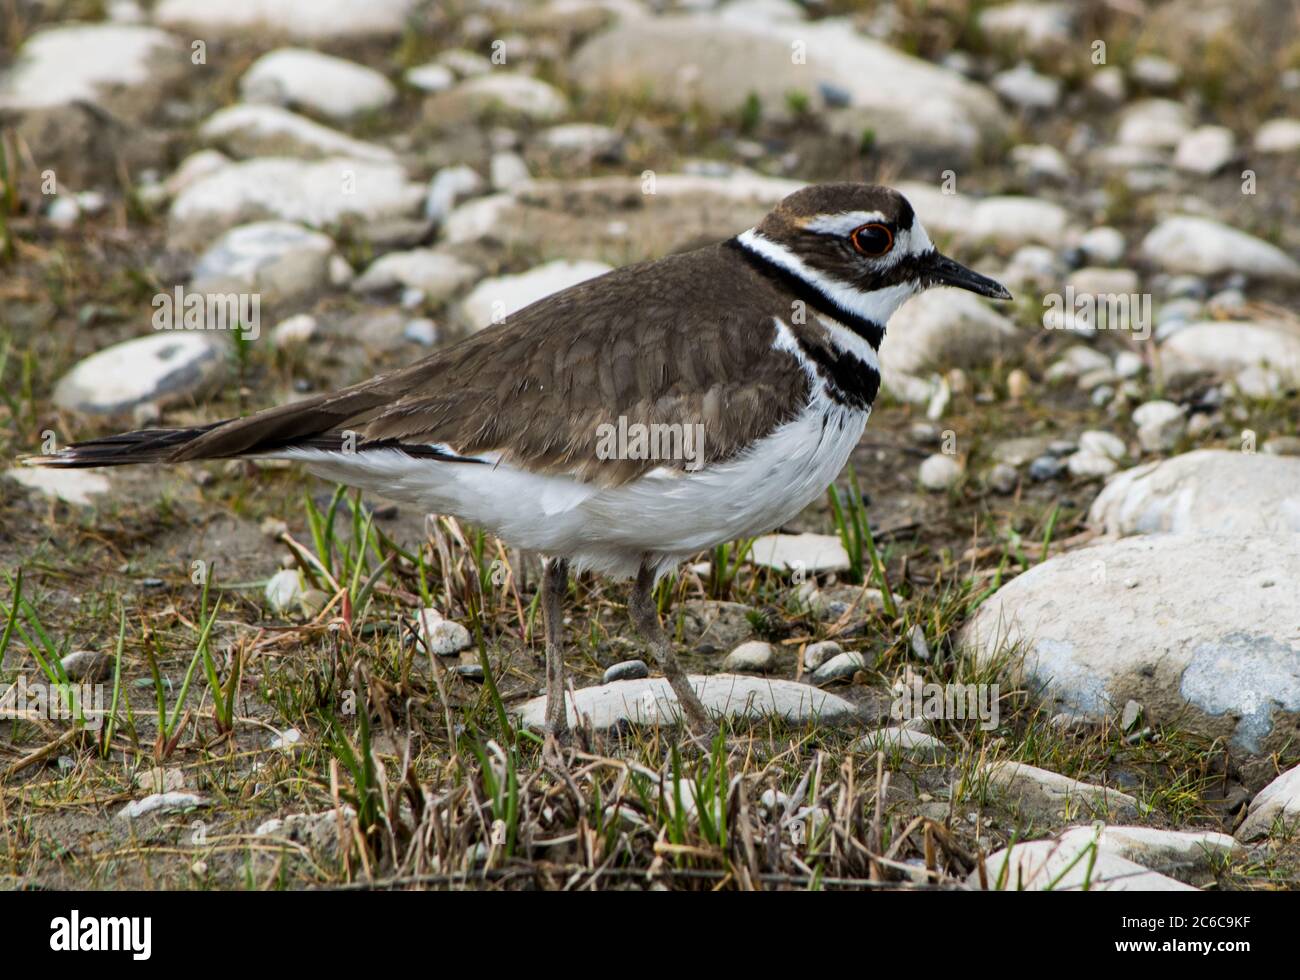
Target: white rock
[(816, 654), (193, 168), (1208, 491), (1227, 348), (422, 331), (1011, 221), (940, 213), (1102, 282), (1202, 247), (507, 170), (1155, 72), (315, 20), (161, 803), (74, 63), (320, 194), (1168, 851), (78, 487), (328, 86), (1108, 83), (1027, 89), (297, 329), (1046, 865), (1103, 443), (717, 63), (807, 553), (1160, 425), (945, 327), (1033, 25), (1041, 161), (1154, 123), (914, 745), (436, 274), (282, 262), (449, 187), (464, 64), (754, 657), (492, 300), (1278, 136), (1129, 364), (1275, 807), (1103, 245), (651, 702), (939, 472), (284, 589), (289, 740), (772, 11), (268, 130), (1047, 795), (163, 368), (1206, 150), (442, 637), (841, 667), (585, 139), (1147, 618), (1090, 465), (431, 77), (518, 95)]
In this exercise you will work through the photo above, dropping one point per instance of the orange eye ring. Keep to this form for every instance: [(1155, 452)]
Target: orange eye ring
[(873, 240)]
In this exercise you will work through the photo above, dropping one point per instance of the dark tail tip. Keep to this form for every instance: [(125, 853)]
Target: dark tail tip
[(123, 449)]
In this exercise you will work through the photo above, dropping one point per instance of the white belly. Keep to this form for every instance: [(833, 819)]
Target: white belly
[(668, 514)]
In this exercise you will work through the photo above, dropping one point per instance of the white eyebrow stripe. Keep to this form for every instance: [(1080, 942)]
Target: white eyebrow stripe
[(843, 223)]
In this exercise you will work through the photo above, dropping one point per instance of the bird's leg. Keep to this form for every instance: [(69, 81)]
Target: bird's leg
[(645, 617), (555, 581)]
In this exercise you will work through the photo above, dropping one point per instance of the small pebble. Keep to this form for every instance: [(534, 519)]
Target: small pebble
[(627, 670)]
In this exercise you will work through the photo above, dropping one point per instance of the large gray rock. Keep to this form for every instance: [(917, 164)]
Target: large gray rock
[(1068, 866), (126, 70), (492, 300), (281, 262), (320, 83), (945, 327), (435, 274), (162, 368), (1204, 247), (651, 701), (498, 94), (1208, 491), (324, 193), (1195, 628), (1174, 852), (265, 131), (315, 20), (1047, 796), (1227, 348), (640, 217), (855, 83)]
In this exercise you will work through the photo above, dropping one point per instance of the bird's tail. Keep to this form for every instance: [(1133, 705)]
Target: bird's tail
[(124, 449), (310, 423)]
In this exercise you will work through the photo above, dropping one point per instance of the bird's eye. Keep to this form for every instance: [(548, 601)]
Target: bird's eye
[(873, 239)]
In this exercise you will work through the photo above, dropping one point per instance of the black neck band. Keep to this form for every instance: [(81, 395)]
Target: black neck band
[(870, 331)]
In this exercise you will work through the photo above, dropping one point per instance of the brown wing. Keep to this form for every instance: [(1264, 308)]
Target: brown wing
[(660, 343)]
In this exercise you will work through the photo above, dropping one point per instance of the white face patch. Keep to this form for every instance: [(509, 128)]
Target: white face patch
[(877, 305)]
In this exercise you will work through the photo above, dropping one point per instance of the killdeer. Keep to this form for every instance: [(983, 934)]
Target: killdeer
[(760, 352)]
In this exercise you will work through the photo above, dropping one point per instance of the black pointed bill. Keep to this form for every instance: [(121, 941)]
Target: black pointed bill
[(944, 271)]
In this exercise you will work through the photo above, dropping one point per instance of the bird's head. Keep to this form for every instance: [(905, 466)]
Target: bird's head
[(861, 245)]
